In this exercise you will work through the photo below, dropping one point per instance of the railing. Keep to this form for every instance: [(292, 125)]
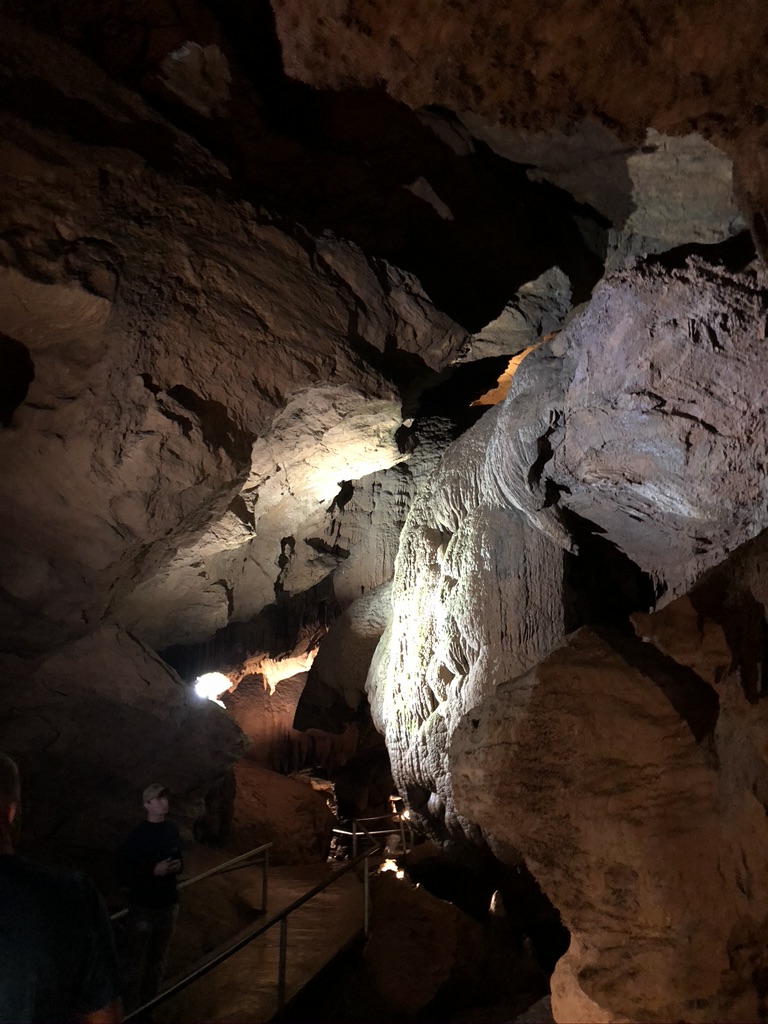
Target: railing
[(396, 819), (220, 869), (280, 918)]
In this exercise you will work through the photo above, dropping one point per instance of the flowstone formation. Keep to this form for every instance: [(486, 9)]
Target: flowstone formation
[(627, 458)]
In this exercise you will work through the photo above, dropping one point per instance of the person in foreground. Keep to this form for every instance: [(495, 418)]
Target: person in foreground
[(57, 955), (150, 861)]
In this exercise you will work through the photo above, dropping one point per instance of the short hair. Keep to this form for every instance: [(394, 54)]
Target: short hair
[(10, 785)]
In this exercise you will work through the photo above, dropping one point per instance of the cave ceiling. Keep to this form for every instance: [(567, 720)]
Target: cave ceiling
[(433, 329)]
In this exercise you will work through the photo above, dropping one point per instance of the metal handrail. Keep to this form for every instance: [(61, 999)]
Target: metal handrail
[(397, 819), (229, 865), (254, 933)]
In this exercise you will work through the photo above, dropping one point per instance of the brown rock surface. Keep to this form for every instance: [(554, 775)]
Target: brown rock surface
[(426, 955), (290, 814), (126, 430), (587, 766), (648, 64), (587, 96), (212, 418), (104, 715)]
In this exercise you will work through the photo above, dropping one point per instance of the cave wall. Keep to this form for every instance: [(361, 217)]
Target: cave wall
[(257, 265), (182, 376)]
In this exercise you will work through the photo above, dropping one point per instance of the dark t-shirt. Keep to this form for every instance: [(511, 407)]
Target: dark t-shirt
[(57, 955), (148, 844)]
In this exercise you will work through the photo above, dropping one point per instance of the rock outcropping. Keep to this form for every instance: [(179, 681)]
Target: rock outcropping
[(267, 273)]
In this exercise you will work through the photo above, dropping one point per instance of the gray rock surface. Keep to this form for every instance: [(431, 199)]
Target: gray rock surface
[(540, 307), (335, 685), (666, 192), (663, 462)]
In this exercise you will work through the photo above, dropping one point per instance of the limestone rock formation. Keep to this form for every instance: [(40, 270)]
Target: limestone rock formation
[(157, 281), (627, 823), (335, 686), (426, 955), (103, 714), (540, 307), (285, 812), (485, 586), (540, 68)]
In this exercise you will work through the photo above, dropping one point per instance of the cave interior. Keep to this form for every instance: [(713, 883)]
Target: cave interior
[(405, 365)]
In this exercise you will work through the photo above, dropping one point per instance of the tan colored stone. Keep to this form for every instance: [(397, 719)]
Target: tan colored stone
[(584, 765)]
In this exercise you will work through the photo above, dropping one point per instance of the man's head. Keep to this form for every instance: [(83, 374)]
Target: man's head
[(10, 794), (155, 800)]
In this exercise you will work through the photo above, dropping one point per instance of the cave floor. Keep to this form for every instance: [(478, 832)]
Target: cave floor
[(244, 988)]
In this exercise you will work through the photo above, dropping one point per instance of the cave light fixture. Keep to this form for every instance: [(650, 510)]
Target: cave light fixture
[(212, 685), (391, 865)]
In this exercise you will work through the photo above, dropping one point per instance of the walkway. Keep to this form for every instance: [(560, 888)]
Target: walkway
[(244, 988)]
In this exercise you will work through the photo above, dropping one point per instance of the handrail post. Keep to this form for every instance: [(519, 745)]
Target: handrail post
[(281, 964), (402, 833), (354, 837), (264, 880), (366, 897)]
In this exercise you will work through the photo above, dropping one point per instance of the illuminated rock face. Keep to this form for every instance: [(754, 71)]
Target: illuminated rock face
[(608, 770), (211, 353), (631, 773), (477, 596), (188, 378), (657, 862), (211, 409), (480, 590)]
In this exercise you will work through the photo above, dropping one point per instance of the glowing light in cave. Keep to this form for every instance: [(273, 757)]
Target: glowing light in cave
[(284, 668), (499, 393), (212, 685), (391, 865)]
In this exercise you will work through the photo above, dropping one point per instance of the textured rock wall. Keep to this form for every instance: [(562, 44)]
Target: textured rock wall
[(202, 422), (629, 449), (631, 772), (663, 461), (657, 864), (191, 322), (181, 376), (475, 597)]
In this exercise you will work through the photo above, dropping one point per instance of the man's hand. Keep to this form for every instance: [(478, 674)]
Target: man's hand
[(169, 866), (110, 1014)]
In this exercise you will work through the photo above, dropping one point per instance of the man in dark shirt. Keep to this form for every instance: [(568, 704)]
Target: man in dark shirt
[(150, 862), (57, 957)]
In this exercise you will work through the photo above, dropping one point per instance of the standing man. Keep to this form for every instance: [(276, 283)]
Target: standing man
[(150, 861), (57, 956)]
